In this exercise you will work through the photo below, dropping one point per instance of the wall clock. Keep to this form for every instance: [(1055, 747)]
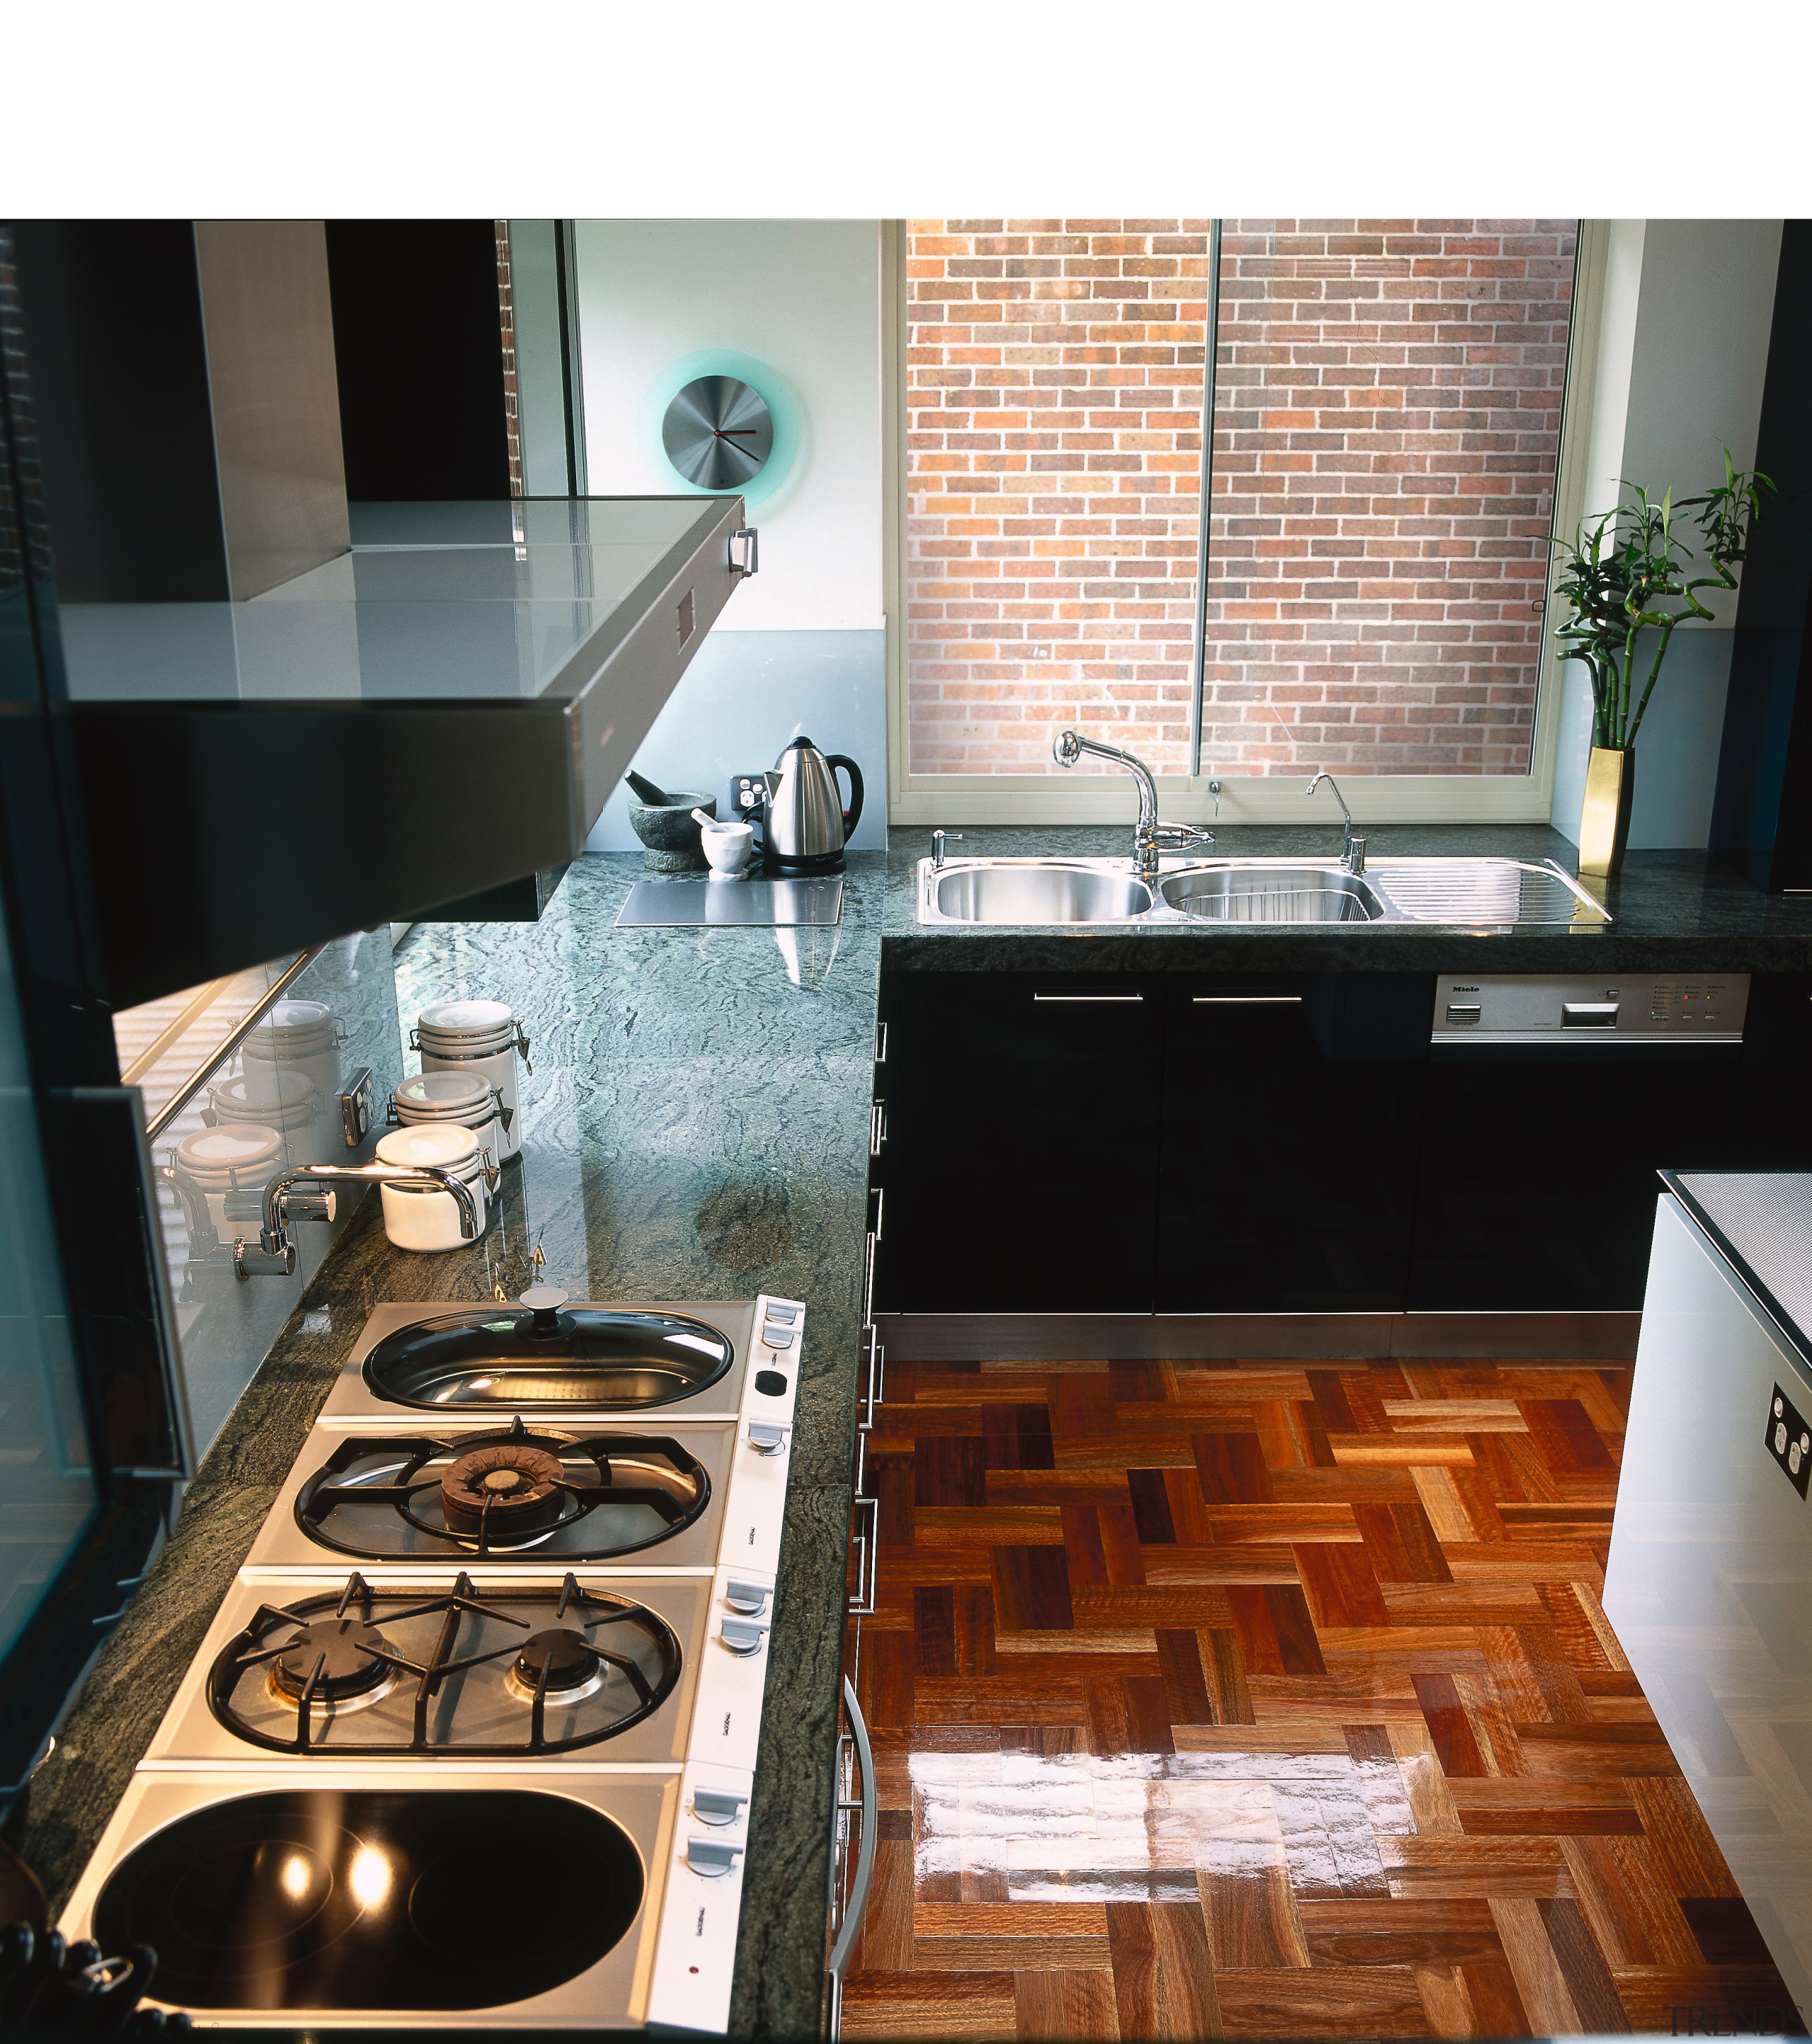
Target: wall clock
[(718, 432)]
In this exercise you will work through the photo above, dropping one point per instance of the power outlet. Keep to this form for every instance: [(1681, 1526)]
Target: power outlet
[(747, 792), (1789, 1440)]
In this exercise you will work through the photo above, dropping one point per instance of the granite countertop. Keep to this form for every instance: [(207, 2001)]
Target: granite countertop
[(1762, 1221), (1674, 911), (696, 1126)]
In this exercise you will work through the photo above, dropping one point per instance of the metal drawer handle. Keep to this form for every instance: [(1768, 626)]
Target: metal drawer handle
[(877, 1126), (869, 1277), (857, 1903), (862, 1598), (870, 1397), (1248, 1001), (1128, 1000)]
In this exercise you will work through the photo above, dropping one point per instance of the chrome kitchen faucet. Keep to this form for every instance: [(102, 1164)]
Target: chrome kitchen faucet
[(274, 1254), (1148, 834), (1351, 848)]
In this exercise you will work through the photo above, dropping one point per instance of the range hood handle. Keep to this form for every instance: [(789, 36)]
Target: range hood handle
[(745, 550)]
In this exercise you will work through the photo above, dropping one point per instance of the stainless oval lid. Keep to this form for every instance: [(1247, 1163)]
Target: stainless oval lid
[(582, 1357)]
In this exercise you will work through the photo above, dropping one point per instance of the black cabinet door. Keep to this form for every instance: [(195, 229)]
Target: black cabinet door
[(1538, 1186), (1017, 1173), (1774, 1107), (1291, 1115)]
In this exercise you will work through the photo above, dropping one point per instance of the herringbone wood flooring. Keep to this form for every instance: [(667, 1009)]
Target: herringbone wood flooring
[(1266, 1700)]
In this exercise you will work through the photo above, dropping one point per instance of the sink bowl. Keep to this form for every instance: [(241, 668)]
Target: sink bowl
[(1475, 893), (1037, 891), (1227, 893)]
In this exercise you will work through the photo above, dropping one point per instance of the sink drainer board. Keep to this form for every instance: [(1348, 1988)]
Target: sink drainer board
[(1467, 893)]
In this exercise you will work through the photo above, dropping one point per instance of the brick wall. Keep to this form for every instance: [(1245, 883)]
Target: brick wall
[(1387, 424), (1054, 417)]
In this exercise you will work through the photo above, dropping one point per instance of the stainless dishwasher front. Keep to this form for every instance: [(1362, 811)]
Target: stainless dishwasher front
[(1709, 1585), (1552, 1100)]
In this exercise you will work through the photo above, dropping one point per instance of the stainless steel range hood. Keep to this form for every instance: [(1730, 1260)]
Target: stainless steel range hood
[(444, 707), (294, 716)]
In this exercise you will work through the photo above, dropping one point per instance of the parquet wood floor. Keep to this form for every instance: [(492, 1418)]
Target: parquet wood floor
[(1265, 1701)]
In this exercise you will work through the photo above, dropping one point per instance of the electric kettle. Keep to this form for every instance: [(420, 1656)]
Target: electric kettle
[(804, 825)]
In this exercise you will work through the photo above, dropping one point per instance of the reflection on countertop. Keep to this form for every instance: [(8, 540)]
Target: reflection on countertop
[(695, 1125)]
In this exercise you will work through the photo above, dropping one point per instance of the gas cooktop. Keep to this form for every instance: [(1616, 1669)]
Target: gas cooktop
[(510, 1494), (499, 1773)]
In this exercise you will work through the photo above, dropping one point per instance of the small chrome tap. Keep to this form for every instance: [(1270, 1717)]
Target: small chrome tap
[(274, 1254), (1148, 834), (1351, 848), (937, 837)]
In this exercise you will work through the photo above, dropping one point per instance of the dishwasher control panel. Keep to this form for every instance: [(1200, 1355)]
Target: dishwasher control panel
[(1515, 1007), (1789, 1439)]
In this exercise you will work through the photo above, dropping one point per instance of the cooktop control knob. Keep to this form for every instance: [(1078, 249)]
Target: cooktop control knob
[(751, 1598), (766, 1437), (713, 1857), (718, 1806), (743, 1635)]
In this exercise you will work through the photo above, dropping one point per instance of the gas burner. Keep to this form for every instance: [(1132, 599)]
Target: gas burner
[(507, 1490), (574, 1667), (503, 1491), (336, 1659), (441, 1670)]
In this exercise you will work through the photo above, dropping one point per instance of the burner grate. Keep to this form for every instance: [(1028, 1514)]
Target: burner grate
[(500, 1492), (325, 1652)]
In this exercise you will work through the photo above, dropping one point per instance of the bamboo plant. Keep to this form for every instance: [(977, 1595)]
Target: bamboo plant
[(1627, 573)]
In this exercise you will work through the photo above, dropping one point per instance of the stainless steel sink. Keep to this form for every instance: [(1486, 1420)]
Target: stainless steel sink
[(1462, 894), (1229, 893), (1034, 891)]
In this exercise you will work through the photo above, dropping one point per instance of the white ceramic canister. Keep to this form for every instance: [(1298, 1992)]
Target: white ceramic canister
[(272, 1098), (234, 1156), (297, 1036), (482, 1039), (453, 1096), (424, 1219)]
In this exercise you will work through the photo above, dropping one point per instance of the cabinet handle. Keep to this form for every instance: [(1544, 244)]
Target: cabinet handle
[(877, 1126), (868, 1400), (868, 1279), (880, 1193), (1248, 1001), (862, 1597), (880, 1042), (1124, 999)]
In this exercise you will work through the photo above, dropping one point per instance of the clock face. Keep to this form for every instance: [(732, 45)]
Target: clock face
[(718, 432)]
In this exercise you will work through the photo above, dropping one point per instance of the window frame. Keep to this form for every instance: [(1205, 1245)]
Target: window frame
[(1245, 798)]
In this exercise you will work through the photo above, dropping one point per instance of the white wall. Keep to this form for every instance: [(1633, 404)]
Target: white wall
[(801, 647), (802, 297), (1682, 350)]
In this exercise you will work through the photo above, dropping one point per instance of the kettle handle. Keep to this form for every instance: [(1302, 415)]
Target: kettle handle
[(852, 815)]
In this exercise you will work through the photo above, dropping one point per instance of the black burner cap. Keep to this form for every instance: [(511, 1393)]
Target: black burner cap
[(350, 1653), (770, 1382), (571, 1658)]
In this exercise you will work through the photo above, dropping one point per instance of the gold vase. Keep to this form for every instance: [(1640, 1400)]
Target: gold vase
[(1604, 816)]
